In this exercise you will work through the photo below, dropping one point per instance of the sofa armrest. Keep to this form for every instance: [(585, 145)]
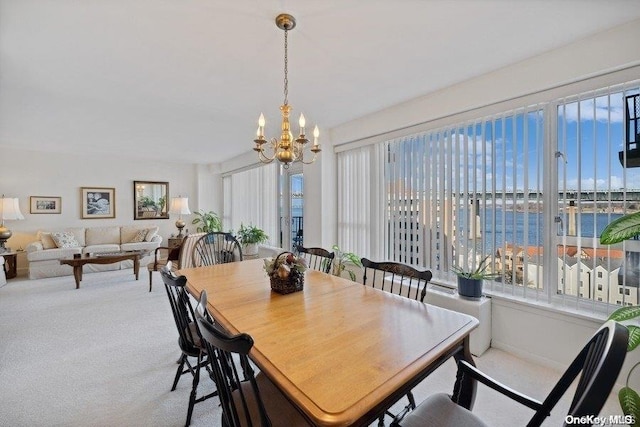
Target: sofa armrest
[(157, 238), (34, 246)]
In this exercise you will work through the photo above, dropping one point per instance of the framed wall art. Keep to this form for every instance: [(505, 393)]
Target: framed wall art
[(150, 200), (98, 202), (45, 205)]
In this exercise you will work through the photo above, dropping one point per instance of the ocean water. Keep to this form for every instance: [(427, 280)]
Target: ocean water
[(520, 228)]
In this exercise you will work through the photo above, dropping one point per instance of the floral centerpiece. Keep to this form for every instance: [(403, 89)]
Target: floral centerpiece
[(286, 272)]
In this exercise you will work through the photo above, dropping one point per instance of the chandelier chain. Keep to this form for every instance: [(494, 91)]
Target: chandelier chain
[(286, 67)]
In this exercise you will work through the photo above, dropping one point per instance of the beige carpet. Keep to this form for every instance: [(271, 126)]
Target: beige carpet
[(104, 355)]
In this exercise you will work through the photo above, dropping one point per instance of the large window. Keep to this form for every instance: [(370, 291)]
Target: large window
[(530, 188), (459, 194), (594, 188)]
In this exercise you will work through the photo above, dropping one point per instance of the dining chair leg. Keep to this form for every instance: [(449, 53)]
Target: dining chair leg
[(182, 361), (150, 279), (194, 389)]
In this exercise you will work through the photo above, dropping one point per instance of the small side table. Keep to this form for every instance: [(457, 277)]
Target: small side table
[(10, 264), (174, 242)]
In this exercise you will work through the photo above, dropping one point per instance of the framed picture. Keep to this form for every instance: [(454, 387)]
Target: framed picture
[(45, 205), (98, 202), (150, 200)]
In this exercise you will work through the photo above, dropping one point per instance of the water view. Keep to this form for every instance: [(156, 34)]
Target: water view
[(501, 225)]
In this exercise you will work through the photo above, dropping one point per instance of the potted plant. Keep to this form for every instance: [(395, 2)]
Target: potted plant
[(206, 222), (147, 202), (619, 230), (470, 281), (343, 261), (250, 237)]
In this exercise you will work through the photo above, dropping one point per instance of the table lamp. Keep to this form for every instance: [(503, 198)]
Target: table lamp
[(179, 206), (9, 210)]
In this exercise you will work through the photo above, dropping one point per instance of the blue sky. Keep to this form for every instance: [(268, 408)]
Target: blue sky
[(598, 124)]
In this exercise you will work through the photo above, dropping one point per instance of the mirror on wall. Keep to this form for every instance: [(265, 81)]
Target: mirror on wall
[(150, 200)]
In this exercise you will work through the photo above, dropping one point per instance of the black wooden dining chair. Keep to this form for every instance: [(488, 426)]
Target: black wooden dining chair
[(189, 338), (317, 258), (396, 278), (403, 280), (216, 247), (247, 399), (599, 364)]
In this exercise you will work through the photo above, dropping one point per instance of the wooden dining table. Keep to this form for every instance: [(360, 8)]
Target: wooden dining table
[(341, 352)]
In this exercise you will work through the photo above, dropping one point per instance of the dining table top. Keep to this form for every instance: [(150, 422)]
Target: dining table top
[(337, 349)]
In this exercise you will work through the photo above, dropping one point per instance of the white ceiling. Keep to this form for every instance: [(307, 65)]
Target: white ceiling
[(187, 79)]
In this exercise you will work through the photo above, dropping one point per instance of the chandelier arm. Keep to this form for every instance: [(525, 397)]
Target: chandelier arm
[(274, 147), (265, 159), (301, 158), (310, 161)]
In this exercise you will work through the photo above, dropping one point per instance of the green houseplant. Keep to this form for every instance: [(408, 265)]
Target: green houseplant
[(619, 230), (250, 236), (343, 261), (470, 281), (206, 222)]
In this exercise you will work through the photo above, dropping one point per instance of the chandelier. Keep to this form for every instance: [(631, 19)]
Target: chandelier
[(286, 150)]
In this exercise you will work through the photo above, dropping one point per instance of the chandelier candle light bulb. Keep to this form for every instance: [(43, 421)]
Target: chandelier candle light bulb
[(316, 134), (301, 122)]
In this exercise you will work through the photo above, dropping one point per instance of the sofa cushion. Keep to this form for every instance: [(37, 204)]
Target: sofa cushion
[(52, 254), (138, 237), (128, 232), (64, 239), (140, 246), (46, 240), (92, 249), (78, 232), (102, 236), (151, 233)]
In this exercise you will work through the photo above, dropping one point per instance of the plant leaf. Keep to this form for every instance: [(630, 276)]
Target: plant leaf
[(625, 313), (629, 402), (621, 229), (634, 338)]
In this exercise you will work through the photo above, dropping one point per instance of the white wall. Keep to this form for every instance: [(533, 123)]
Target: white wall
[(601, 53), (27, 173), (548, 336)]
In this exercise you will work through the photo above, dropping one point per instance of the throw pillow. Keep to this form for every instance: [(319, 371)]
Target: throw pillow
[(47, 241), (151, 233), (139, 236), (65, 240)]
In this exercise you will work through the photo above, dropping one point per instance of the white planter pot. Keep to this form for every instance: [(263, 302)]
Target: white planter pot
[(250, 249)]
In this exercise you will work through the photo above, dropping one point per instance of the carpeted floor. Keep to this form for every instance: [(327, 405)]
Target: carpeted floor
[(105, 355)]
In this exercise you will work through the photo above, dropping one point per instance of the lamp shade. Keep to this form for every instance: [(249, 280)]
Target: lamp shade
[(10, 209), (179, 206)]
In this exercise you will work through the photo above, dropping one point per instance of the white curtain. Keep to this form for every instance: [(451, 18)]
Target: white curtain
[(361, 201), (251, 197)]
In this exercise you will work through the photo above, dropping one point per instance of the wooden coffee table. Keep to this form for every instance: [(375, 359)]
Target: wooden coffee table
[(104, 258)]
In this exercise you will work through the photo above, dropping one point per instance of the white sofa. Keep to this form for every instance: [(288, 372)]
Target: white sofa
[(3, 278), (44, 255)]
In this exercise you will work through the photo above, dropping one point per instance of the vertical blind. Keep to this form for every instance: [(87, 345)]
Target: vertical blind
[(251, 197), (459, 194), (361, 202)]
